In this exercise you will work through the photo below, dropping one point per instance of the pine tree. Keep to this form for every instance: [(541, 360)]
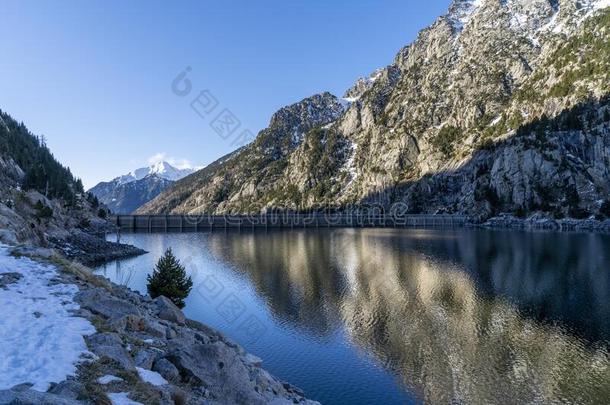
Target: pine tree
[(169, 279)]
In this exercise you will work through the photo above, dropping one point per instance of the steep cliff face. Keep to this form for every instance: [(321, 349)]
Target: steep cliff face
[(500, 105)]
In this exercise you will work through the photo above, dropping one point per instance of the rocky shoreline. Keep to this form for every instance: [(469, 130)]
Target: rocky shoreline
[(146, 351), (540, 222), (91, 249)]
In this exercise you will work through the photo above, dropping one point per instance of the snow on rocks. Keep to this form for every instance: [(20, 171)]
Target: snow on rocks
[(151, 377), (120, 398), (107, 379), (40, 340)]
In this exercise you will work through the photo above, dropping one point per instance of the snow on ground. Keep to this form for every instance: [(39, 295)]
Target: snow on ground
[(107, 379), (151, 377), (120, 398), (40, 342)]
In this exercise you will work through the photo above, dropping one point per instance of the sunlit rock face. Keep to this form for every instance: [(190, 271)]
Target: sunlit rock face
[(498, 106), (462, 317)]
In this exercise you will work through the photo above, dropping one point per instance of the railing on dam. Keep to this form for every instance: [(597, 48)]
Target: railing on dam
[(157, 223)]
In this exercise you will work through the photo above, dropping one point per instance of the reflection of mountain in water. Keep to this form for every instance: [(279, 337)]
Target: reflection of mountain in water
[(293, 272), (477, 317)]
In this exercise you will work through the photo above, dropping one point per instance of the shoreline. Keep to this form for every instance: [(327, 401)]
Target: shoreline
[(149, 350)]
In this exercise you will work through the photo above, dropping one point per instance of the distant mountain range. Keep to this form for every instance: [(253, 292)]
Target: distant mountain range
[(125, 194)]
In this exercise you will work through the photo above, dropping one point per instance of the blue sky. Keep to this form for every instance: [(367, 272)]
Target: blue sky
[(95, 77)]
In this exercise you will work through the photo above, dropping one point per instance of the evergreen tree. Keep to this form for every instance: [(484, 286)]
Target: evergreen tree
[(169, 279)]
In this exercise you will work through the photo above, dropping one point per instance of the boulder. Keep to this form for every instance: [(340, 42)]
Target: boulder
[(106, 305), (218, 367), (32, 397), (154, 328), (167, 370), (253, 360), (168, 311), (8, 237), (127, 323), (145, 358), (69, 389), (110, 345)]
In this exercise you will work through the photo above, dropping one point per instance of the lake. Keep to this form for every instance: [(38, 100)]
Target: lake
[(394, 316)]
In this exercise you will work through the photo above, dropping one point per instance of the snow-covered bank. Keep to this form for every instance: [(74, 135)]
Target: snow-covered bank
[(40, 340), (144, 351)]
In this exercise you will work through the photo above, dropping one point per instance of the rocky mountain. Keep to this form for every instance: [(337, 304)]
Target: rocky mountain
[(27, 162), (125, 194), (498, 106)]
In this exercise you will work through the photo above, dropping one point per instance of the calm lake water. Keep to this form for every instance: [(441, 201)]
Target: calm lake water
[(364, 316)]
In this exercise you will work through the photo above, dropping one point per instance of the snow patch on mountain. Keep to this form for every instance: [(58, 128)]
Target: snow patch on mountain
[(461, 12), (363, 84)]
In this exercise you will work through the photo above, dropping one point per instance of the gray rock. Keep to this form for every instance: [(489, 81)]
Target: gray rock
[(253, 360), (104, 304), (128, 323), (220, 368), (145, 358), (167, 370), (68, 389), (31, 397), (170, 333), (110, 345), (154, 328), (169, 311), (9, 278), (204, 328), (8, 237)]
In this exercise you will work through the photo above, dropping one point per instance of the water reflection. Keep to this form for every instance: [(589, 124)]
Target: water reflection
[(461, 316)]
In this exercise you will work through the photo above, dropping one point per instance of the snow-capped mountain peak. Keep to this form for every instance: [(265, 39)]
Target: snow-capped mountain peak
[(161, 169), (124, 194)]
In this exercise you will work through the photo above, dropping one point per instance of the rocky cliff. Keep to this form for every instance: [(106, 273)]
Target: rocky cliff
[(499, 106)]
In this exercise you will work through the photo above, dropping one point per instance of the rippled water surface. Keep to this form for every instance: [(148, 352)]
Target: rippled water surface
[(404, 316)]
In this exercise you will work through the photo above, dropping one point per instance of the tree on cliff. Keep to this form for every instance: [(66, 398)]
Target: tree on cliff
[(169, 279)]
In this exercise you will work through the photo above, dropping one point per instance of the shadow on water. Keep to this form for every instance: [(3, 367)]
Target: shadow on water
[(457, 315)]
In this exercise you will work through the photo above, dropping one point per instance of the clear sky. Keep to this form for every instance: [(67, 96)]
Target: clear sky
[(94, 77)]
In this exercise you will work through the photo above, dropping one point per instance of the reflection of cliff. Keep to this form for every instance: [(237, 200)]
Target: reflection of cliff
[(292, 271), (437, 307), (450, 345)]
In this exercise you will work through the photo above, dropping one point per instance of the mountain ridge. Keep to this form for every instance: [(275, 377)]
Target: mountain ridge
[(125, 194), (477, 76)]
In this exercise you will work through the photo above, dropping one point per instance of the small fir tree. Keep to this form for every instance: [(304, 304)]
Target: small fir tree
[(169, 279)]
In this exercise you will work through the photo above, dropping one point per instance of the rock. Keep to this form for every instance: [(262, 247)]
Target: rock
[(253, 360), (155, 329), (110, 345), (170, 333), (172, 395), (9, 278), (204, 328), (31, 397), (90, 249), (169, 311), (167, 370), (8, 237), (220, 368), (145, 358), (127, 323), (68, 389), (106, 305)]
